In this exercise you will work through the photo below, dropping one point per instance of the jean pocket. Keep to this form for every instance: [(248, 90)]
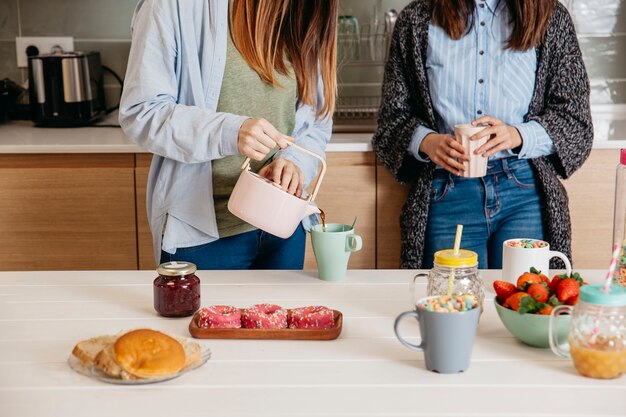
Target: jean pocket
[(439, 189), (192, 249), (523, 177)]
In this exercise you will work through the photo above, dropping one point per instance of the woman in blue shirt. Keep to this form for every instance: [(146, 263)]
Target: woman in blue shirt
[(210, 82), (497, 63)]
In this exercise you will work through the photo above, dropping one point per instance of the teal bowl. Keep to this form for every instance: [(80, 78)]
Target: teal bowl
[(532, 329)]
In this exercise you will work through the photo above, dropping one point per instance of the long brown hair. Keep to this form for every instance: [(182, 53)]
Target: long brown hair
[(528, 17), (303, 31)]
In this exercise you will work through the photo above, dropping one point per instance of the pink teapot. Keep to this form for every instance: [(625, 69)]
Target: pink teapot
[(263, 204)]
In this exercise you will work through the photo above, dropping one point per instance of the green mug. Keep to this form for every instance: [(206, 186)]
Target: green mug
[(333, 248)]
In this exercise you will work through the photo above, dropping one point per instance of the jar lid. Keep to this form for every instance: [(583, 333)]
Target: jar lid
[(447, 257), (595, 294), (176, 268)]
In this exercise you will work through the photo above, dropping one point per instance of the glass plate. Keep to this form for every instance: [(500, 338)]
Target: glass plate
[(94, 372)]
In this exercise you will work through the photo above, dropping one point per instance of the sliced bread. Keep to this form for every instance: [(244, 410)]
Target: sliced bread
[(87, 350)]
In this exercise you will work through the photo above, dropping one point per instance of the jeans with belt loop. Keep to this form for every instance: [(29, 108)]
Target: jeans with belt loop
[(504, 204)]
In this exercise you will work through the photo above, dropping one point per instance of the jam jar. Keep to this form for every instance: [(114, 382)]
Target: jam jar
[(176, 289)]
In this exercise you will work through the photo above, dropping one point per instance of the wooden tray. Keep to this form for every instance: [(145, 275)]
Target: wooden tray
[(279, 334)]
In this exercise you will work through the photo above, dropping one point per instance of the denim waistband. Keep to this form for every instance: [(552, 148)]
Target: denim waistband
[(494, 166), (506, 164)]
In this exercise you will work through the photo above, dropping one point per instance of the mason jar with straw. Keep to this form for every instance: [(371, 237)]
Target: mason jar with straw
[(597, 332), (455, 272)]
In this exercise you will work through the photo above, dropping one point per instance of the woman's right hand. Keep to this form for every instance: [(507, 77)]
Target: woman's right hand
[(444, 151), (257, 137)]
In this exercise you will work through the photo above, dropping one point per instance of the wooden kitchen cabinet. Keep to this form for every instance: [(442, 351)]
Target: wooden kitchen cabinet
[(348, 190), (63, 211), (591, 193), (88, 211), (145, 252), (390, 199)]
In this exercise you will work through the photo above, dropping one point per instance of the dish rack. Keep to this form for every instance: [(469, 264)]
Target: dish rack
[(357, 107), (362, 47), (361, 56)]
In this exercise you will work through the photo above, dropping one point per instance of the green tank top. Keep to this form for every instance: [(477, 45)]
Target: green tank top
[(244, 93)]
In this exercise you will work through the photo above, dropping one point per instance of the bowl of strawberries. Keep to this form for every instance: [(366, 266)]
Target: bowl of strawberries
[(525, 307)]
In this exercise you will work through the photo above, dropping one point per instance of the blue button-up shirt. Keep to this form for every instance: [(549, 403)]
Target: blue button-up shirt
[(477, 76), (168, 107)]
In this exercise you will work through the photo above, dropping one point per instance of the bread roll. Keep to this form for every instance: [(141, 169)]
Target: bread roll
[(107, 364), (147, 353)]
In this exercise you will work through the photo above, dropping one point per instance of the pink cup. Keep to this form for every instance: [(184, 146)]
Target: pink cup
[(477, 165)]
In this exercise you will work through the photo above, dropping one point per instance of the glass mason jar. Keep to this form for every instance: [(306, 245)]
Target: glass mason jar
[(176, 289), (454, 274), (597, 332)]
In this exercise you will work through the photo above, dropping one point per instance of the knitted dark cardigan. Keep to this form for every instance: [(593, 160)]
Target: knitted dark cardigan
[(560, 103)]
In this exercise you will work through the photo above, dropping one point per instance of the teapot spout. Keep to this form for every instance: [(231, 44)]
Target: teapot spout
[(311, 209)]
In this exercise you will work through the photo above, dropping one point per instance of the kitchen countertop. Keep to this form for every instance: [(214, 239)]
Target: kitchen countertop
[(366, 372), (22, 137)]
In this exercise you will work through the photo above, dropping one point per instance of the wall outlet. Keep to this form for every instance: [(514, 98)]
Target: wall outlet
[(27, 46)]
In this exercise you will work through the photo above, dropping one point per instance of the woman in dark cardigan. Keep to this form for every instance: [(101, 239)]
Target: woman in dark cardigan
[(559, 105)]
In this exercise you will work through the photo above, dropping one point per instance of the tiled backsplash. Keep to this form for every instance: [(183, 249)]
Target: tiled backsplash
[(96, 25), (105, 26)]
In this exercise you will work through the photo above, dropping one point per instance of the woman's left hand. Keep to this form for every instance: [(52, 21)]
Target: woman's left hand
[(501, 136), (285, 173)]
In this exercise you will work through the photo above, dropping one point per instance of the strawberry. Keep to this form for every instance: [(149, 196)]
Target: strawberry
[(504, 290), (539, 292), (577, 277), (567, 288), (526, 279), (554, 301), (572, 301), (542, 276), (514, 301), (545, 310), (554, 283), (528, 305)]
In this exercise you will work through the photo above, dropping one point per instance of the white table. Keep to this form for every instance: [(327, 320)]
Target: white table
[(366, 372)]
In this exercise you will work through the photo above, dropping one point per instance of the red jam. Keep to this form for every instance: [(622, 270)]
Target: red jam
[(176, 290)]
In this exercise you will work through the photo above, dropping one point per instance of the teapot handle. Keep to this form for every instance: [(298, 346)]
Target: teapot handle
[(246, 165)]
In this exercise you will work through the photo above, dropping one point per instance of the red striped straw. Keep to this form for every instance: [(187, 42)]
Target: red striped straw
[(612, 267), (607, 288)]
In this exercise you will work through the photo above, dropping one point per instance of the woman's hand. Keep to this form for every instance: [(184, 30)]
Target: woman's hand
[(285, 173), (257, 137), (501, 136), (444, 151)]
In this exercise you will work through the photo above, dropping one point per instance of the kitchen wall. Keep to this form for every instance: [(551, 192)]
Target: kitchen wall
[(104, 26), (98, 25)]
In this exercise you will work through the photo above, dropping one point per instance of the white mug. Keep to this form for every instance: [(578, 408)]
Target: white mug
[(517, 260)]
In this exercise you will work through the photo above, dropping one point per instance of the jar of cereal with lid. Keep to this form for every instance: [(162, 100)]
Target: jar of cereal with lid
[(176, 289), (454, 274)]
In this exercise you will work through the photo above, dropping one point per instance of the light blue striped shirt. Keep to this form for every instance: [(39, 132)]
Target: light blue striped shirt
[(477, 76), (168, 107)]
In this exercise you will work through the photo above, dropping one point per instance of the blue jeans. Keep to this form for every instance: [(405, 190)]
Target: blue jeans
[(502, 205), (250, 250)]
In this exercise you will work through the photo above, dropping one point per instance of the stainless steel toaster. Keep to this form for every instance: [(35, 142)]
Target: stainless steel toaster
[(66, 89)]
